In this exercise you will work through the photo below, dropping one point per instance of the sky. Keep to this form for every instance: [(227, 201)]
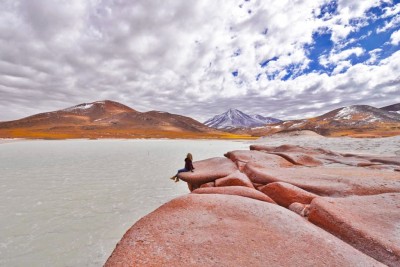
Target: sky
[(286, 59)]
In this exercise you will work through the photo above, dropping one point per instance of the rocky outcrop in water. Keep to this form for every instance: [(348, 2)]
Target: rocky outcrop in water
[(275, 206)]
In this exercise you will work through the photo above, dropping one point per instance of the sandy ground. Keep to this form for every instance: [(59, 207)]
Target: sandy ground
[(378, 146)]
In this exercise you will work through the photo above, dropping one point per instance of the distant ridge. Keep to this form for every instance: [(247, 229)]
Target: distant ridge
[(234, 118), (357, 121), (107, 119), (395, 108)]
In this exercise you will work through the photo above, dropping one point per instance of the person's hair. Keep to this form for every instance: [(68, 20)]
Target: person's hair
[(189, 156)]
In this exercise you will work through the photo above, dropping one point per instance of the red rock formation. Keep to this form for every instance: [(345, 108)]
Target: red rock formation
[(294, 149), (229, 223), (389, 160), (285, 194), (209, 184), (299, 159), (208, 171), (333, 181), (235, 190), (236, 178), (223, 230), (243, 157), (369, 223)]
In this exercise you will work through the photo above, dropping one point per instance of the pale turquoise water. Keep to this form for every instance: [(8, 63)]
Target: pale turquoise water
[(67, 203)]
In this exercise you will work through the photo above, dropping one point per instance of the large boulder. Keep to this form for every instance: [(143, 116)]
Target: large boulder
[(235, 190), (208, 171), (285, 194), (225, 230), (328, 181), (369, 223), (234, 179)]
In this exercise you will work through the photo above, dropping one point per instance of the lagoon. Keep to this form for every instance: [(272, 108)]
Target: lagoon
[(67, 203)]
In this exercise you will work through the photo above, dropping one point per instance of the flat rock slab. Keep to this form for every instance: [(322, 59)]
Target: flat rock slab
[(242, 157), (236, 178), (285, 194), (208, 170), (369, 223), (294, 148), (390, 160), (235, 190), (332, 181), (309, 156), (224, 230), (299, 158)]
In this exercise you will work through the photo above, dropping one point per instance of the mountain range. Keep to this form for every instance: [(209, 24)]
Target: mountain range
[(109, 119), (234, 118), (356, 121)]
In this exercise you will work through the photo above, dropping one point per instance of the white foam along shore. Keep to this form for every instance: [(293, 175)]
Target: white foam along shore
[(11, 140)]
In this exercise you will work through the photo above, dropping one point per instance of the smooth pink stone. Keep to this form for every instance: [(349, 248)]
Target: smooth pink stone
[(236, 178), (369, 223), (225, 230), (325, 181), (208, 170)]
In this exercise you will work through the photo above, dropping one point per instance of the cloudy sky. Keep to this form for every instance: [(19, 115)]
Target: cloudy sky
[(282, 58)]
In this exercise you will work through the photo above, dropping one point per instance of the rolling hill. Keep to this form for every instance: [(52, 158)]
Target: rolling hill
[(107, 119)]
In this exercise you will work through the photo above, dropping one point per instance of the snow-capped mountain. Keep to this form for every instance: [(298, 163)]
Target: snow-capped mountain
[(265, 120), (359, 115), (357, 120), (234, 118)]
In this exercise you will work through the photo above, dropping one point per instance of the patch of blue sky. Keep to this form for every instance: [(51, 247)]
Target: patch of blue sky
[(327, 10), (370, 39), (366, 37), (293, 71), (265, 62), (321, 45)]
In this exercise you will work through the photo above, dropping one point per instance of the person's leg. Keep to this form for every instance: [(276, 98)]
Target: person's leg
[(182, 170), (179, 171)]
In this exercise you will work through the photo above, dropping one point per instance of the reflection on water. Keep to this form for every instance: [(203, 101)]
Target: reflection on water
[(67, 203)]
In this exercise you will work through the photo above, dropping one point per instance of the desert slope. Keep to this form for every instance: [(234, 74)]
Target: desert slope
[(108, 119)]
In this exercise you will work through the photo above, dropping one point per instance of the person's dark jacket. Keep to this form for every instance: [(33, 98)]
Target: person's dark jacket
[(188, 165)]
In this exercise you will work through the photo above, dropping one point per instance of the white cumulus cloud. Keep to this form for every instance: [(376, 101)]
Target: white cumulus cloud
[(194, 58)]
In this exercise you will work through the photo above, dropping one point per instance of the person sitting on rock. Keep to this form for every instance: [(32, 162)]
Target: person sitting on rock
[(188, 167)]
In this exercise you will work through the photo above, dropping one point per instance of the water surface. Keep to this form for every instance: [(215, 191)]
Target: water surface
[(67, 203)]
